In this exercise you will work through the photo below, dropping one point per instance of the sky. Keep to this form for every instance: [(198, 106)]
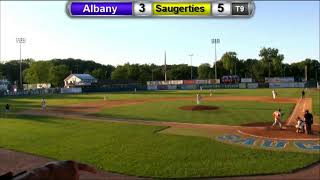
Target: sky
[(290, 26)]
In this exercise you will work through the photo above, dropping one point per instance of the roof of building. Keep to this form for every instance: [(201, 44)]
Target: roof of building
[(82, 76)]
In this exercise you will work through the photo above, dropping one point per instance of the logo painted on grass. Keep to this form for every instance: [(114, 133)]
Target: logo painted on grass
[(309, 146)]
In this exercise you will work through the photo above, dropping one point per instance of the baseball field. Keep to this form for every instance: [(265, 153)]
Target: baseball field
[(165, 134)]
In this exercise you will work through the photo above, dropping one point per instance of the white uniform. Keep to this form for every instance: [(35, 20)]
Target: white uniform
[(300, 125), (198, 99), (274, 94), (277, 118), (43, 104)]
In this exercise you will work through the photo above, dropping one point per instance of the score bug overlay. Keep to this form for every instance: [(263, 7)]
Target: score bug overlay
[(158, 8)]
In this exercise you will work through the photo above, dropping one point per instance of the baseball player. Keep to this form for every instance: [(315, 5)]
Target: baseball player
[(43, 104), (302, 94), (300, 126), (274, 94), (210, 92), (198, 99), (277, 118), (7, 108)]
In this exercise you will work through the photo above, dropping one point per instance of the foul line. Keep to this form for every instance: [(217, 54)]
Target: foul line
[(293, 113), (304, 139)]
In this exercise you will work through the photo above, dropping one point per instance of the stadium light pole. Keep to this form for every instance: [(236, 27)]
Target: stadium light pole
[(21, 41), (215, 41), (191, 63)]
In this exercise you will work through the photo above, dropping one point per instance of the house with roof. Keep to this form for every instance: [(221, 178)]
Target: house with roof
[(79, 80)]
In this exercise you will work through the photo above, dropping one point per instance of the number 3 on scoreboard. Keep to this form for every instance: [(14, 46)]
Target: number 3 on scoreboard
[(221, 9), (142, 9)]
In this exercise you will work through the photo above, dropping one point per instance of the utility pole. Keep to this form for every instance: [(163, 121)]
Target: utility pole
[(165, 66), (191, 64), (20, 41), (306, 73), (215, 41)]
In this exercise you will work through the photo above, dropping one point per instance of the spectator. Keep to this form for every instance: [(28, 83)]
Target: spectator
[(61, 170)]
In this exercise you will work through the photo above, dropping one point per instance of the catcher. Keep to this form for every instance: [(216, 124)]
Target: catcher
[(300, 126)]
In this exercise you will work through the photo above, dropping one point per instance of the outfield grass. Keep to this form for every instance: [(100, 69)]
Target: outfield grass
[(139, 150), (26, 102), (229, 112)]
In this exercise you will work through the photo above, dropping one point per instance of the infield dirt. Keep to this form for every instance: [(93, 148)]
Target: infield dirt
[(262, 130)]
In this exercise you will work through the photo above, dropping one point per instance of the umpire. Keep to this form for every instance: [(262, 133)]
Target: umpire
[(309, 121)]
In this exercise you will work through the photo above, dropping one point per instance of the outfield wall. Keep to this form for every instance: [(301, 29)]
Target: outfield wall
[(135, 87), (227, 86)]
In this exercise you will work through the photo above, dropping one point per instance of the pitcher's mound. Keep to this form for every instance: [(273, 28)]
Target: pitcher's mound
[(198, 108)]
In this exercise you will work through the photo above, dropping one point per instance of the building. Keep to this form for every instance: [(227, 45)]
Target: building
[(79, 80)]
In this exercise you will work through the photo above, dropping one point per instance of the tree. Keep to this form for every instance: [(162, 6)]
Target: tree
[(38, 72), (11, 69), (182, 71), (99, 74), (145, 73), (229, 59), (120, 73), (1, 71), (268, 56), (204, 71), (133, 71), (57, 74), (277, 65), (83, 66), (156, 72)]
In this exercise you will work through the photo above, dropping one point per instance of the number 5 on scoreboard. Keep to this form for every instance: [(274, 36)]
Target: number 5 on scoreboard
[(142, 8), (221, 9)]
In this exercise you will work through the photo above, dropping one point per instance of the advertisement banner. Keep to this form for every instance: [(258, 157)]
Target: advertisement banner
[(70, 90), (162, 87), (246, 80), (252, 85), (172, 87), (188, 87), (152, 87), (243, 85), (279, 79), (287, 85)]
